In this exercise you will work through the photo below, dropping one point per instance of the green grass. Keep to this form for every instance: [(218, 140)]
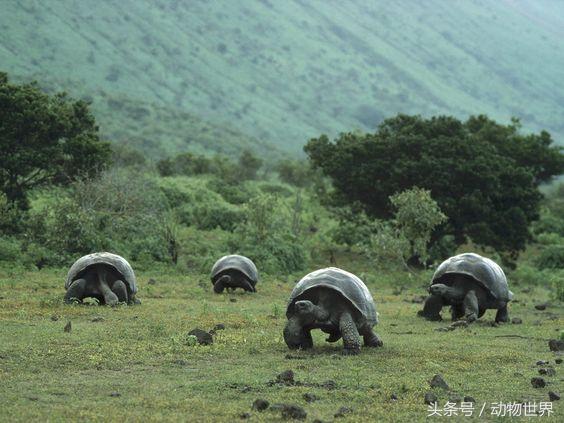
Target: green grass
[(143, 353)]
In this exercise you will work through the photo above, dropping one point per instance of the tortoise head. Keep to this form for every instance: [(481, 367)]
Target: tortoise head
[(438, 289)]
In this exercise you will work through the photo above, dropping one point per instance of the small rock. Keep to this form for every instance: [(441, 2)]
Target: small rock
[(418, 299), (97, 319), (547, 371), (541, 306), (516, 321), (54, 317), (260, 404), (455, 399), (460, 324), (558, 361), (286, 377), (469, 399), (151, 281), (438, 382), (329, 385), (394, 397), (233, 300), (244, 416), (538, 382), (542, 363), (556, 345), (553, 396), (246, 389), (310, 397), (219, 326), (180, 362), (341, 412), (115, 394), (290, 411), (203, 337), (430, 398), (68, 327)]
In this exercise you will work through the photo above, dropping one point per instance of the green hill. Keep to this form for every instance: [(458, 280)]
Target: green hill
[(284, 71)]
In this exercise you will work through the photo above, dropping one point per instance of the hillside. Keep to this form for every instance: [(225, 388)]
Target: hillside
[(285, 71)]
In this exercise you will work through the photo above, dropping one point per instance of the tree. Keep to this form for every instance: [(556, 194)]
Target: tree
[(44, 140), (483, 175)]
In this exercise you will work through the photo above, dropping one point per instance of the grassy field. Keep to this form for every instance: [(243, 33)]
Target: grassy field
[(137, 363)]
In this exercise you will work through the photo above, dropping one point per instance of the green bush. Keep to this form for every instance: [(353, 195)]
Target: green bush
[(551, 257), (267, 235), (10, 250)]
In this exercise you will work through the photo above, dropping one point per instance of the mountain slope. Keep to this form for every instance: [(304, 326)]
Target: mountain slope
[(286, 71)]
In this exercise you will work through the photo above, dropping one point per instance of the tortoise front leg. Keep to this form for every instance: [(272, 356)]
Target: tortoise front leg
[(221, 284), (432, 307), (77, 291), (457, 312), (502, 315), (371, 339), (351, 338), (471, 307), (246, 285), (120, 290)]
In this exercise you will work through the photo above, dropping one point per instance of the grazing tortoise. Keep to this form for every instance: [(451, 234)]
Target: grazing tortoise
[(105, 276), (338, 303), (232, 272), (470, 284)]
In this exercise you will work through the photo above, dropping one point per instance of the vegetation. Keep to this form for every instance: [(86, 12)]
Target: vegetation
[(483, 175), (44, 140), (172, 220), (168, 77)]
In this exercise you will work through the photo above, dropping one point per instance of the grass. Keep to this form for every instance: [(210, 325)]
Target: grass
[(137, 363)]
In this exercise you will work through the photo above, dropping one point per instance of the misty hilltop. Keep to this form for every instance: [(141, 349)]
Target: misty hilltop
[(169, 76)]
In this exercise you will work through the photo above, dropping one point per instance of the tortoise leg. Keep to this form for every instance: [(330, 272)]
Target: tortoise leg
[(370, 338), (295, 336), (120, 290), (110, 298), (432, 308), (471, 307), (221, 284), (457, 312), (246, 285), (77, 291), (502, 315), (351, 338)]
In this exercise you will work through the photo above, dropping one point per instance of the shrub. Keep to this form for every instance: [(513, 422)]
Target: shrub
[(551, 257)]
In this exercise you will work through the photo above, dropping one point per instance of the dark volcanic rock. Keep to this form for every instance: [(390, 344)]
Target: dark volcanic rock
[(219, 326), (438, 382), (541, 306), (68, 327), (151, 281), (290, 411), (286, 377), (115, 394), (548, 371), (538, 382), (553, 396), (260, 404), (468, 398), (430, 398), (54, 317), (516, 321), (556, 345), (244, 416), (542, 363), (310, 397), (558, 361), (341, 412), (203, 337), (329, 385), (394, 397)]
